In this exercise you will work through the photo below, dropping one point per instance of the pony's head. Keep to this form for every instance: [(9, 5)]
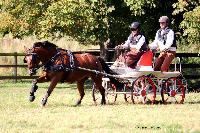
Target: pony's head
[(32, 60), (40, 52)]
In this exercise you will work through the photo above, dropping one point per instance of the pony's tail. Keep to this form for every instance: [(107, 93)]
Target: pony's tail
[(107, 70)]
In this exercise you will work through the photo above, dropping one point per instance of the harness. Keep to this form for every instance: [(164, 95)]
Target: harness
[(49, 66)]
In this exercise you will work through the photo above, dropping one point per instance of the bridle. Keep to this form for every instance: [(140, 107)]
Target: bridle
[(34, 58)]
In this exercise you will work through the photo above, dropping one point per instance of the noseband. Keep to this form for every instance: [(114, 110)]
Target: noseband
[(34, 58)]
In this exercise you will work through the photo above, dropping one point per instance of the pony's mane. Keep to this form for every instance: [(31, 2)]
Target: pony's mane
[(44, 44)]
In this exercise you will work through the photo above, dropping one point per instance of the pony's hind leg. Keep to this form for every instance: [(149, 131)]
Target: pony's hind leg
[(80, 87), (98, 84)]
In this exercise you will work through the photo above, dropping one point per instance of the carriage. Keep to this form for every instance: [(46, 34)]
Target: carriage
[(137, 85), (143, 84)]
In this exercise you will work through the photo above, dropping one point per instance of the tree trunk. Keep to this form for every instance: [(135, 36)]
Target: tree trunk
[(107, 51)]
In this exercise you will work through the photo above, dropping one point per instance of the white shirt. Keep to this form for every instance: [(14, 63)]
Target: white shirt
[(160, 44), (137, 46)]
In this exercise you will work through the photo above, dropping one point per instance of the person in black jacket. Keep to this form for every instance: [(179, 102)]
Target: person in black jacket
[(136, 44)]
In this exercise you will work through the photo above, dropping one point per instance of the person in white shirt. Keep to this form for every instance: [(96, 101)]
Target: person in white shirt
[(165, 41), (136, 44)]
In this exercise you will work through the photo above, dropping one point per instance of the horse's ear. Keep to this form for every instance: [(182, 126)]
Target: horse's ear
[(25, 60)]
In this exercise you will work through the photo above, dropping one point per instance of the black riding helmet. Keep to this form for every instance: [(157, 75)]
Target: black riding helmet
[(135, 25)]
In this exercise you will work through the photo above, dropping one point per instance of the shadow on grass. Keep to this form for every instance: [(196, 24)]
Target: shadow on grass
[(195, 102)]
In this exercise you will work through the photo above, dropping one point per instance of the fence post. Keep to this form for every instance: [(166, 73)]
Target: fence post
[(15, 68)]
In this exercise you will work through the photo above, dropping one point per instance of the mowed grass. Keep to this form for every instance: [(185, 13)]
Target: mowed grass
[(17, 114)]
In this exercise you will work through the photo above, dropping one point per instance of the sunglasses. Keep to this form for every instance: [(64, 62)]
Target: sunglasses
[(133, 29), (162, 22)]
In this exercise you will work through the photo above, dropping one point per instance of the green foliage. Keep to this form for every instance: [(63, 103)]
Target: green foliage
[(84, 20), (190, 23), (94, 21), (138, 6)]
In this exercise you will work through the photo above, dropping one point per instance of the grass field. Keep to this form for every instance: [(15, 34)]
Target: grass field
[(17, 114)]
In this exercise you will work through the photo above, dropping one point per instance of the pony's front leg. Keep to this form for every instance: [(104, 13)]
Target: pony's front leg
[(53, 84), (33, 90), (35, 87)]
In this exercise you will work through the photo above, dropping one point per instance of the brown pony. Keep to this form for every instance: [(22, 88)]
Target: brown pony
[(61, 65)]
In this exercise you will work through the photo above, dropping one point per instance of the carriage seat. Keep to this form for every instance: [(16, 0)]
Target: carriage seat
[(145, 62)]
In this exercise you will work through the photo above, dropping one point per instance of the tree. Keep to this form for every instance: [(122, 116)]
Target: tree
[(87, 21), (190, 23)]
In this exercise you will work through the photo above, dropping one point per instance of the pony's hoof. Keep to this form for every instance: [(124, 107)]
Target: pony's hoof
[(43, 102), (78, 103), (31, 98), (103, 102)]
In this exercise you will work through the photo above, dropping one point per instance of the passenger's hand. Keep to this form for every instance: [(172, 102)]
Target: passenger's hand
[(163, 48), (134, 50), (154, 50), (152, 46)]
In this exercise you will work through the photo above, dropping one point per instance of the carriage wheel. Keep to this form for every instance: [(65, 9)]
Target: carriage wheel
[(110, 94), (128, 94), (144, 90), (173, 91)]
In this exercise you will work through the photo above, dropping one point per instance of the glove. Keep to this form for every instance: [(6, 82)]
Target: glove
[(119, 47), (162, 48)]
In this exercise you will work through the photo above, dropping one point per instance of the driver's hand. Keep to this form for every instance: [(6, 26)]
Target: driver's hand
[(119, 47)]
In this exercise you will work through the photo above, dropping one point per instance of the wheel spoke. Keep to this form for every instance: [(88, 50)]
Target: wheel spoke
[(173, 91), (144, 90)]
